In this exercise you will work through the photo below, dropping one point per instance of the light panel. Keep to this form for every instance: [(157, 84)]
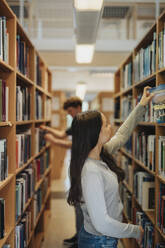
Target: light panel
[(84, 53), (88, 5), (81, 90)]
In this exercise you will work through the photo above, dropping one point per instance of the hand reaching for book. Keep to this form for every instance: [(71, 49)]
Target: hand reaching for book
[(43, 127), (146, 97), (141, 235)]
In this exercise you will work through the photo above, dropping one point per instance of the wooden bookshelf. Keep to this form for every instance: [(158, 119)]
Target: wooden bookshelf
[(26, 78), (153, 75)]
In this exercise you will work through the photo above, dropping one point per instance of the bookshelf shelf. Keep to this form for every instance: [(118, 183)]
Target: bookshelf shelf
[(26, 206), (117, 94), (19, 79), (144, 167), (5, 67), (126, 217), (24, 122), (161, 70), (147, 123), (127, 186), (147, 143), (161, 125), (6, 181), (40, 89), (6, 124), (151, 216), (39, 121), (126, 153), (161, 233), (24, 78), (124, 92), (161, 178), (146, 80), (3, 241), (18, 170)]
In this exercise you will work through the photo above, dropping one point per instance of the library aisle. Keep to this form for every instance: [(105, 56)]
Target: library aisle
[(62, 222)]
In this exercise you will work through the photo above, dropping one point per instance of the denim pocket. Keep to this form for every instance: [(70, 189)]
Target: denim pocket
[(109, 243)]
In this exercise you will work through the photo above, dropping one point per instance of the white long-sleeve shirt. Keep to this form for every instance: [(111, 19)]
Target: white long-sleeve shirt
[(102, 207)]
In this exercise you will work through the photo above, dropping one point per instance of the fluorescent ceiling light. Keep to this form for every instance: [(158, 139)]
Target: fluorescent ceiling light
[(84, 53), (88, 4), (81, 90)]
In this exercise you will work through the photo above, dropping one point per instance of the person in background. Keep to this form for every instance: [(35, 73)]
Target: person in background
[(72, 106), (95, 178)]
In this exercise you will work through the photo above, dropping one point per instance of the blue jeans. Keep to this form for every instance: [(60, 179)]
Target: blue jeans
[(79, 218), (87, 240)]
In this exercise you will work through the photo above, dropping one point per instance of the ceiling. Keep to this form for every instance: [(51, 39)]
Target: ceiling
[(51, 26), (55, 19)]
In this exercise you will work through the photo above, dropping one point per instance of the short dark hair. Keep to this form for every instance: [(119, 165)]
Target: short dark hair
[(72, 102)]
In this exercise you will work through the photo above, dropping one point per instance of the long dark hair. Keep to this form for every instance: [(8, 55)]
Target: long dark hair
[(111, 163), (86, 128)]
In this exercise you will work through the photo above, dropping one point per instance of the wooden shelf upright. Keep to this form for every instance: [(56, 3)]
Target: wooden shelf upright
[(35, 79), (58, 122), (152, 75)]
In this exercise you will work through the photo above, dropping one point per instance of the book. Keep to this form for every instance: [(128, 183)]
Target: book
[(144, 189), (2, 218), (159, 93)]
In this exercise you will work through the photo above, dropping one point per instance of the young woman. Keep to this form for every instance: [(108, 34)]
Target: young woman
[(94, 184)]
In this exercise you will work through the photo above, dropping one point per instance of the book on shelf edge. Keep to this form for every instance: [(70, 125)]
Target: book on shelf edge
[(159, 93)]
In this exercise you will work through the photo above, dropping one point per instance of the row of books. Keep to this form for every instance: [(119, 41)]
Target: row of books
[(154, 112), (23, 56), (161, 208), (46, 81), (126, 165), (142, 220), (4, 40), (149, 115), (25, 186), (145, 149), (126, 76), (161, 166), (38, 71), (39, 198), (128, 145), (48, 109), (23, 148), (127, 106), (22, 103), (23, 230), (145, 61), (159, 112), (144, 190), (4, 100), (41, 164), (3, 160), (38, 107), (39, 140), (161, 48)]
